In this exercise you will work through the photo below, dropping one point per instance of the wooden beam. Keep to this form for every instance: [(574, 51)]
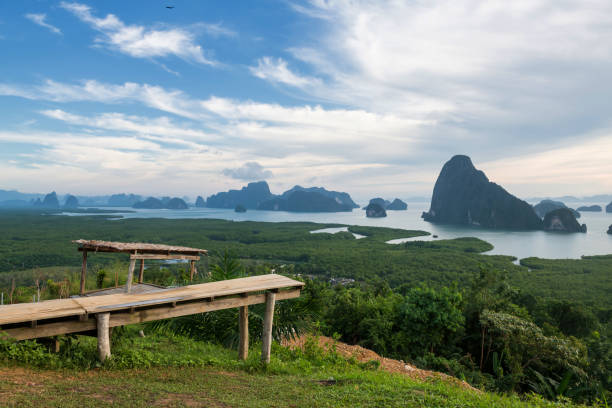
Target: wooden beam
[(165, 256), (83, 272), (191, 270), (243, 332), (73, 325), (130, 277), (141, 272), (103, 326), (266, 342)]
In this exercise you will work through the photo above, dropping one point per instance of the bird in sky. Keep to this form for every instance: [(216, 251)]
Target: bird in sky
[(169, 7)]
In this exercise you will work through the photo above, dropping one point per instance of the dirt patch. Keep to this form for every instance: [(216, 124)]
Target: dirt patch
[(364, 355), (186, 400)]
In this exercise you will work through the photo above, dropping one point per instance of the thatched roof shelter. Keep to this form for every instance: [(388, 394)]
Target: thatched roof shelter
[(138, 251)]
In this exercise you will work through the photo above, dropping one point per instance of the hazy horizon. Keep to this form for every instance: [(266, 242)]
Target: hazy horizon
[(371, 99)]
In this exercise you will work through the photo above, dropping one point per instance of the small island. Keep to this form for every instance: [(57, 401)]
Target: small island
[(610, 229), (240, 208), (562, 220), (153, 203), (374, 210), (591, 208)]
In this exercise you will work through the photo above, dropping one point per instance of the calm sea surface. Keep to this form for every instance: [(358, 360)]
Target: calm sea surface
[(518, 244)]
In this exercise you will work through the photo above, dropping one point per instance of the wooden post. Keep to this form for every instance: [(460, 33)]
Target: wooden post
[(83, 272), (266, 343), (141, 274), (243, 329), (104, 351), (56, 345), (191, 270), (130, 276)]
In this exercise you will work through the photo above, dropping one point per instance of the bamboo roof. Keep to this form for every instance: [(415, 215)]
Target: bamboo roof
[(136, 247)]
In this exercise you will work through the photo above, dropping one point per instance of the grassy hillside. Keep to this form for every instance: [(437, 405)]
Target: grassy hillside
[(169, 370)]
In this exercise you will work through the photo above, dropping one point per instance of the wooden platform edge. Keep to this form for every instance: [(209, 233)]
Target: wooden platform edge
[(145, 314)]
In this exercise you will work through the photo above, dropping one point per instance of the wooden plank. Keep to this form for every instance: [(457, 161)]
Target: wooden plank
[(48, 309), (159, 313), (51, 329), (192, 292), (144, 315), (191, 270), (27, 312), (83, 273), (243, 333), (165, 256), (266, 340)]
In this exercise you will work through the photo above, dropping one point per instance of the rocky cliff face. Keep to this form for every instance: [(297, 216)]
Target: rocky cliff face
[(610, 229), (546, 206), (200, 203), (562, 220), (50, 201), (153, 203), (609, 208), (71, 202), (464, 195), (304, 201), (250, 196), (397, 205), (374, 210), (340, 197), (123, 200)]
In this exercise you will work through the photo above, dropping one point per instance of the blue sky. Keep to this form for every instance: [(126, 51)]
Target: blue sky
[(366, 97)]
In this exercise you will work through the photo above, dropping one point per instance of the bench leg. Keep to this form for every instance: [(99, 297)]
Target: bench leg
[(266, 343), (243, 328), (103, 335), (130, 277)]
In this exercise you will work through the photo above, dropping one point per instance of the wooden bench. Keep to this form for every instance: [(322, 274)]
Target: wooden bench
[(100, 313)]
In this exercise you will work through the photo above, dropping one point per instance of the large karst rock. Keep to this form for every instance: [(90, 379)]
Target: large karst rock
[(464, 195), (305, 201), (340, 197), (609, 208), (610, 230), (123, 200), (562, 220), (50, 201), (153, 203), (71, 202), (397, 205), (250, 196), (200, 203), (375, 210), (546, 206)]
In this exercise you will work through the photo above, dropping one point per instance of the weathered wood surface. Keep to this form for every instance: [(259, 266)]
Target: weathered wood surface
[(103, 320), (83, 273), (132, 247), (165, 257), (27, 312), (243, 333), (141, 271), (49, 309), (121, 318), (266, 340)]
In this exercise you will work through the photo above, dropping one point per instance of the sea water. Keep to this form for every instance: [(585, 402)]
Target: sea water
[(521, 244)]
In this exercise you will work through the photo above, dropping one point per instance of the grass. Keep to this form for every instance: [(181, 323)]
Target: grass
[(169, 370)]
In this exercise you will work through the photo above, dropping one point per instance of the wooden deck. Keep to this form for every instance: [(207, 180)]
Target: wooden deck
[(63, 316)]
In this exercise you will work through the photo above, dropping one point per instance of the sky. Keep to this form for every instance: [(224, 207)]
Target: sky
[(366, 97)]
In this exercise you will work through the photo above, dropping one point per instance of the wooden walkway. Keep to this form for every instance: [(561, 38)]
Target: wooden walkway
[(62, 316)]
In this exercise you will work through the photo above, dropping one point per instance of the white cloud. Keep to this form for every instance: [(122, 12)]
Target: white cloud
[(140, 41), (161, 126), (276, 70), (250, 171), (41, 20)]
